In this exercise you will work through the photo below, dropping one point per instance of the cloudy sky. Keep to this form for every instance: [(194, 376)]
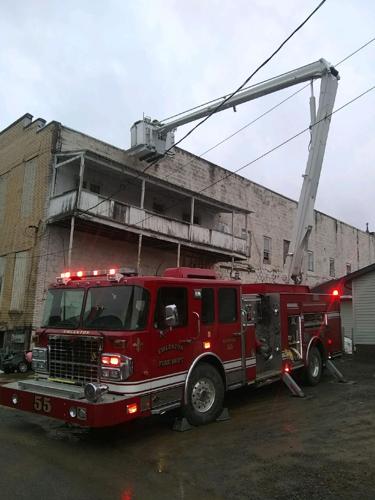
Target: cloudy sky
[(97, 66)]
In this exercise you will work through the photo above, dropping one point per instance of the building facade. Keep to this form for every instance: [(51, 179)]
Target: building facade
[(72, 202)]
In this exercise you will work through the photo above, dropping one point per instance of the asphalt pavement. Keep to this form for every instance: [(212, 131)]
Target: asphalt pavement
[(273, 447)]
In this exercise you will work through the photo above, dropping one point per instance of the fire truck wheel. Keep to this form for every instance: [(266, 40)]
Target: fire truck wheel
[(313, 370), (205, 395)]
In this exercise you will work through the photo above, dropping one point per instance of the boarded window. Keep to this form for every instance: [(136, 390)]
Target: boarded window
[(28, 188), (19, 281), (332, 267), (2, 199), (267, 245), (2, 273), (310, 261), (286, 244)]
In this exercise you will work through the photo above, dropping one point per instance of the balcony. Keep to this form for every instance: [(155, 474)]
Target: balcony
[(130, 218)]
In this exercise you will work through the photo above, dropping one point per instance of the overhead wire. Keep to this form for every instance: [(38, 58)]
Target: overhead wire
[(221, 104), (263, 155), (252, 161), (87, 211)]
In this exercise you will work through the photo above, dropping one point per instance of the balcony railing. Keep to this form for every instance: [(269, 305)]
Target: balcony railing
[(136, 218)]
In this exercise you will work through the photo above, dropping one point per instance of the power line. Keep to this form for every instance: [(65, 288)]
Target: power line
[(246, 88), (215, 110), (234, 133), (273, 107), (278, 146), (263, 155), (266, 61)]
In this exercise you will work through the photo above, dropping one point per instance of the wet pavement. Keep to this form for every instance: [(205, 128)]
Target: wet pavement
[(274, 446)]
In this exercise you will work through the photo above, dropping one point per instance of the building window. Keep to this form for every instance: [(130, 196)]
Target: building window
[(2, 272), (158, 208), (267, 245), (19, 281), (310, 260), (332, 267), (227, 305), (286, 244), (95, 188), (2, 338), (348, 268), (3, 187), (29, 178)]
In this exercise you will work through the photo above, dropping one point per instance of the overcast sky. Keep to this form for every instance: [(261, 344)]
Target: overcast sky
[(98, 66)]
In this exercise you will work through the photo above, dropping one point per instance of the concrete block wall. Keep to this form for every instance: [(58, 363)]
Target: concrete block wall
[(273, 214)]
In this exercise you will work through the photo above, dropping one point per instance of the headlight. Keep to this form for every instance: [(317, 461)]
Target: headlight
[(40, 360), (40, 353)]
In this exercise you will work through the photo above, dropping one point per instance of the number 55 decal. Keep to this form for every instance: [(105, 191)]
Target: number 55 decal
[(42, 404)]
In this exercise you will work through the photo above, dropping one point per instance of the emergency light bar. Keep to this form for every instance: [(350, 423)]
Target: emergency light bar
[(111, 274)]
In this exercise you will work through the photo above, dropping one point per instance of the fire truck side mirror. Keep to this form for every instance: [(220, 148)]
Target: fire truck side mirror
[(171, 315)]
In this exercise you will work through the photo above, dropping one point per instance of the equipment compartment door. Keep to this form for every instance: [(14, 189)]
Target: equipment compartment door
[(268, 334)]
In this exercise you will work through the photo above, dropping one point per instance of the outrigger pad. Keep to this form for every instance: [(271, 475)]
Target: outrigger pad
[(224, 415), (335, 371), (292, 385), (181, 425)]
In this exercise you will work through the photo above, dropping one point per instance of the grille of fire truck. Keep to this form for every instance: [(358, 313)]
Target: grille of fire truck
[(74, 359)]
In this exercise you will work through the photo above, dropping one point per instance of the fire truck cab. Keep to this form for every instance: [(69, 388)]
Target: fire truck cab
[(114, 346)]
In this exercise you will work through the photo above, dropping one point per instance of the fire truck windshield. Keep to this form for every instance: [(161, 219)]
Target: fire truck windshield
[(121, 307), (63, 308)]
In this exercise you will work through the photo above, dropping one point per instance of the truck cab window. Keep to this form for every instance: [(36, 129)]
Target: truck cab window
[(228, 309), (166, 297), (208, 306)]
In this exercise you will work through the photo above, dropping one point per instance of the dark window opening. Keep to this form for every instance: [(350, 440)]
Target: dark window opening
[(208, 306), (158, 208), (228, 311), (313, 320)]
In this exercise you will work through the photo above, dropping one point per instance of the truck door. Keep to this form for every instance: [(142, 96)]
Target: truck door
[(268, 334), (230, 341), (171, 346)]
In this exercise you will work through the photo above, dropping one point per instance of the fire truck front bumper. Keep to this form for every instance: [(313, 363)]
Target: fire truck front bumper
[(60, 401)]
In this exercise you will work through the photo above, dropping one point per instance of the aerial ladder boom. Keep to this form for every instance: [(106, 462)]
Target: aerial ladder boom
[(151, 139)]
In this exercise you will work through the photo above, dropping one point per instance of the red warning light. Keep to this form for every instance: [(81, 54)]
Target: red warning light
[(95, 273), (112, 271), (79, 274), (335, 292), (67, 274)]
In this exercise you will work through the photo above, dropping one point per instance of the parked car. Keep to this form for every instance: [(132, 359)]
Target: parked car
[(17, 361)]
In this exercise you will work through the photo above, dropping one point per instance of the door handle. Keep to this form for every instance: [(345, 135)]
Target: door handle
[(237, 334)]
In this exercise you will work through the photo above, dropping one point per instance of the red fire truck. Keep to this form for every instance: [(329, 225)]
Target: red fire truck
[(114, 346)]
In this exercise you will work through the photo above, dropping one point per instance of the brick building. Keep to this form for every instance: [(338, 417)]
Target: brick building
[(68, 200)]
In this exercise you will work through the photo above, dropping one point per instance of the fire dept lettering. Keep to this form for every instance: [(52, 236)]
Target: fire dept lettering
[(170, 347), (171, 362)]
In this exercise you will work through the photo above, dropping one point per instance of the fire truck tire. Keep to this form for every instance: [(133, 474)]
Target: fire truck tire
[(314, 368), (205, 395)]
